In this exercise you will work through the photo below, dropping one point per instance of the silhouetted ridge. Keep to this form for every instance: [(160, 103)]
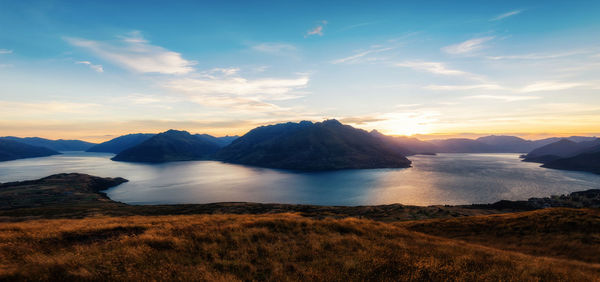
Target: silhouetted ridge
[(121, 143), (13, 150), (589, 161), (326, 145), (406, 146), (56, 145), (563, 148), (172, 145)]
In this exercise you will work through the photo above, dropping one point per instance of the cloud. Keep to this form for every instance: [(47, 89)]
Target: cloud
[(135, 53), (468, 46), (361, 120), (464, 87), (506, 15), (216, 72), (5, 51), (550, 86), (357, 56), (274, 48), (238, 85), (318, 30), (239, 92), (97, 68), (437, 68), (539, 56), (503, 97)]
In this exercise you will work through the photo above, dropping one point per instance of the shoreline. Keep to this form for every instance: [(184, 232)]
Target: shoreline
[(80, 195)]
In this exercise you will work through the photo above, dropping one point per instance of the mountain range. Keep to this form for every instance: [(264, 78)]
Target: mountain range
[(309, 146), (567, 154), (121, 143), (13, 150), (56, 145), (563, 148)]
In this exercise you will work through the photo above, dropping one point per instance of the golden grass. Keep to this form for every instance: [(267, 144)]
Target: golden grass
[(557, 232), (280, 247)]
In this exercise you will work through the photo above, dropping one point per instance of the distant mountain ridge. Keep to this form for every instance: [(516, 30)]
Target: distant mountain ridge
[(121, 143), (564, 148), (172, 145), (567, 154), (56, 145), (14, 150), (405, 145), (327, 145)]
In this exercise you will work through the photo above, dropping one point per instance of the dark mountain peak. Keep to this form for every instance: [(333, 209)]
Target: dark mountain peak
[(564, 141), (331, 122), (171, 145), (304, 123), (176, 132), (324, 145)]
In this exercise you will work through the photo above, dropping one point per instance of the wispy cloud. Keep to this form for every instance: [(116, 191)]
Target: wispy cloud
[(97, 68), (137, 54), (239, 92), (5, 51), (506, 98), (318, 30), (464, 87), (539, 56), (239, 85), (506, 15), (468, 46), (550, 86), (438, 68), (360, 55)]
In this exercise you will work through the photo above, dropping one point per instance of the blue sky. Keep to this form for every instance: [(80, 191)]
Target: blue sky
[(94, 70)]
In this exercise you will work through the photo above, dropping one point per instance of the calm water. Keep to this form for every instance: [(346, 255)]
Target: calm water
[(441, 179)]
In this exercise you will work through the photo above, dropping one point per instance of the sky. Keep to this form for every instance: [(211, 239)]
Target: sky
[(94, 70)]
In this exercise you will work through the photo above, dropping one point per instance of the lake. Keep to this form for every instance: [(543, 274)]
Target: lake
[(443, 179)]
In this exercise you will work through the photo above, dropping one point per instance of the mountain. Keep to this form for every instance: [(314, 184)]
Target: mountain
[(56, 145), (172, 145), (308, 146), (462, 145), (508, 144), (406, 145), (588, 161), (13, 150), (221, 141), (121, 143), (563, 148)]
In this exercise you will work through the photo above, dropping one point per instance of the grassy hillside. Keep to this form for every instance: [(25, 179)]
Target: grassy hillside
[(559, 232), (278, 247)]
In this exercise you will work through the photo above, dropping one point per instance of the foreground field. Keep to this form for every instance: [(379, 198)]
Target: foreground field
[(261, 247)]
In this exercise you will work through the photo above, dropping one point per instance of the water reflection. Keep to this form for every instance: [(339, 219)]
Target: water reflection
[(441, 179)]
